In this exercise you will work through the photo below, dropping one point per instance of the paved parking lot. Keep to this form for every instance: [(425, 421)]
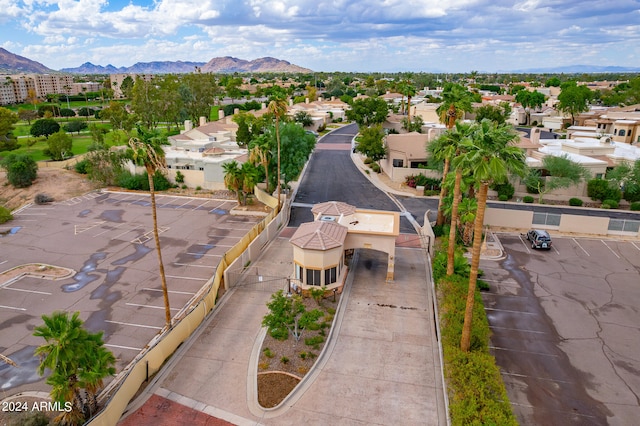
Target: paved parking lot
[(106, 238), (566, 327)]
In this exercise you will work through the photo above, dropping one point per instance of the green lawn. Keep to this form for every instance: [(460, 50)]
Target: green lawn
[(80, 145)]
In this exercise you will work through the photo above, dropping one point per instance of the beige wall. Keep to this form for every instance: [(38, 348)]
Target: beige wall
[(584, 224), (316, 259)]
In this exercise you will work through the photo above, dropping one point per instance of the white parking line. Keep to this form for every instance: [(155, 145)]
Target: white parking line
[(170, 291), (634, 244), (607, 246), (535, 377), (12, 307), (513, 312), (518, 329), (26, 291), (582, 248), (134, 325), (524, 244), (195, 266), (123, 347), (184, 204), (200, 254), (524, 352), (150, 306), (187, 278)]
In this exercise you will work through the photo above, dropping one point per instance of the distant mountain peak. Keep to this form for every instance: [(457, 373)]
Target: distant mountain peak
[(11, 63)]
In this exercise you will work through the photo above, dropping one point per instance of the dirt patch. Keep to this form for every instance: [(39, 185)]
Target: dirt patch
[(59, 184)]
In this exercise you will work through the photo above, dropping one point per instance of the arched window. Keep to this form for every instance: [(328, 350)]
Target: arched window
[(621, 132)]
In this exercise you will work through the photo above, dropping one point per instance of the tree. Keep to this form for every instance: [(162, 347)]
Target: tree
[(44, 127), (59, 146), (260, 152), (574, 99), (118, 116), (415, 125), (278, 107), (146, 102), (148, 152), (21, 169), (529, 100), (456, 100), (288, 315), (232, 177), (198, 92), (27, 115), (75, 126), (304, 118), (127, 86), (560, 172), (77, 360), (491, 112), (295, 147), (627, 178), (370, 143), (491, 159), (368, 111), (8, 140)]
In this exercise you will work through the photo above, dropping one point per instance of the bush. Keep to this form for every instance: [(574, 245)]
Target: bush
[(42, 199), (527, 199), (140, 182), (600, 189), (576, 202), (5, 215), (635, 206), (21, 169), (504, 189), (179, 177), (81, 167), (368, 160), (375, 167), (503, 197), (613, 204)]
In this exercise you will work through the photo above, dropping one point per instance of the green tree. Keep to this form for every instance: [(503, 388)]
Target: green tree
[(553, 82), (198, 92), (126, 87), (574, 99), (8, 140), (304, 118), (260, 153), (368, 111), (59, 146), (491, 112), (21, 169), (75, 126), (27, 115), (118, 116), (529, 100), (288, 315), (278, 107), (77, 360), (44, 127), (415, 125), (146, 102), (148, 152), (559, 171), (456, 100), (370, 142), (627, 178), (491, 159), (296, 146)]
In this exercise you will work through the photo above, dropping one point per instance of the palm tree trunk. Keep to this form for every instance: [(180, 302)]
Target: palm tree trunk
[(278, 177), (156, 236), (443, 193), (465, 340), (454, 223)]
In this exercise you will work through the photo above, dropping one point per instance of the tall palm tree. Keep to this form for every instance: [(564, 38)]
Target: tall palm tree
[(456, 99), (491, 159), (7, 360), (260, 152), (278, 107), (232, 178), (148, 152)]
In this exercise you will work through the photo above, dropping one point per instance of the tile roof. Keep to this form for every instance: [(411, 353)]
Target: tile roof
[(319, 235), (333, 208)]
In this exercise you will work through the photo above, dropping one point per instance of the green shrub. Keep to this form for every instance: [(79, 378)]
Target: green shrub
[(576, 202), (613, 204), (179, 177), (268, 353), (375, 167), (140, 182), (368, 160), (313, 341), (81, 167), (21, 169), (504, 189), (600, 189), (284, 360), (527, 199), (605, 206), (635, 206), (483, 285), (5, 215), (280, 333)]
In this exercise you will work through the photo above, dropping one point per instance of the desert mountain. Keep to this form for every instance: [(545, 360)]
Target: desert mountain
[(225, 64), (10, 63)]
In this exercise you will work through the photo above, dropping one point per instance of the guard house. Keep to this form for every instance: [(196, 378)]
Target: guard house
[(319, 247)]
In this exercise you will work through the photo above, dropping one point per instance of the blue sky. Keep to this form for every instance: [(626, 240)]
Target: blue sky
[(328, 35)]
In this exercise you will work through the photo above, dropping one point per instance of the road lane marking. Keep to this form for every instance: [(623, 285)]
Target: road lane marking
[(134, 325), (582, 248), (170, 291), (149, 306), (123, 347), (12, 307), (607, 246)]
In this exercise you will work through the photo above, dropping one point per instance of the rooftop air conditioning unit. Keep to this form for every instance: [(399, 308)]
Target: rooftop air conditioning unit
[(328, 218), (606, 139)]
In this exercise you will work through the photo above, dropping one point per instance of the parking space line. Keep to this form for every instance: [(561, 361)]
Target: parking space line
[(12, 307), (524, 244), (513, 312), (200, 254), (126, 232), (201, 205), (188, 293), (582, 248), (134, 325), (519, 329), (607, 246), (123, 347), (187, 278), (149, 306), (172, 199), (498, 348), (26, 291), (184, 204), (534, 377), (634, 244), (196, 266)]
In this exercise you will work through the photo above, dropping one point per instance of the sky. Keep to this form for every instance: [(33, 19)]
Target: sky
[(328, 35)]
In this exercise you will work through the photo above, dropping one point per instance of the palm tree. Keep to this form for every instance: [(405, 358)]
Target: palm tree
[(278, 107), (148, 152), (7, 360), (467, 214), (455, 101), (232, 178), (260, 152), (491, 159)]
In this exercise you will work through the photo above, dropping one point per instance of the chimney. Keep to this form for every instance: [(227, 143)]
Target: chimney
[(236, 111), (203, 121), (306, 100), (220, 114), (535, 135), (188, 125), (263, 106)]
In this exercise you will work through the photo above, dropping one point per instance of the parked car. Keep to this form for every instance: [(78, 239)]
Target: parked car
[(539, 239)]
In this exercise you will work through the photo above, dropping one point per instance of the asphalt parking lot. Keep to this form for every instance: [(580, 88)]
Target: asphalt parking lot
[(106, 238), (566, 327)]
